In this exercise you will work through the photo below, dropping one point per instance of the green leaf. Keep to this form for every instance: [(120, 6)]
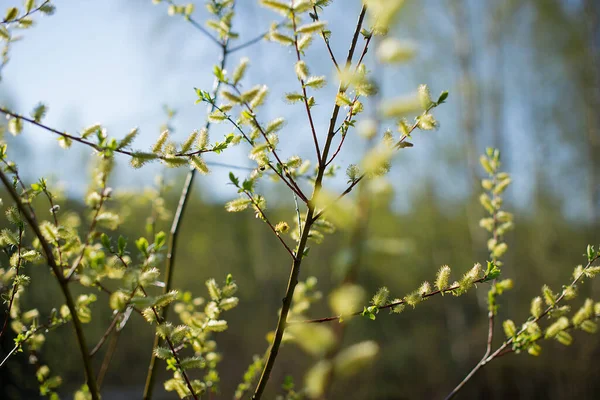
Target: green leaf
[(159, 240), (234, 180), (492, 271), (11, 14), (29, 5), (39, 112), (443, 97), (106, 241), (590, 252), (122, 243), (142, 245), (219, 74)]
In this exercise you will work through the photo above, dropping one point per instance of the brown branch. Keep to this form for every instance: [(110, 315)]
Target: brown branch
[(112, 346), (106, 334)]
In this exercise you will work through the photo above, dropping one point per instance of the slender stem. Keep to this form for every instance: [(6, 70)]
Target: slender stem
[(173, 350), (295, 270), (255, 203), (356, 247), (30, 217), (398, 145), (326, 40), (252, 41), (305, 95), (204, 31), (112, 346), (17, 346), (106, 334), (344, 132), (171, 253)]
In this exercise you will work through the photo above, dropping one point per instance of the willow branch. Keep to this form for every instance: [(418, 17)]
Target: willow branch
[(305, 95), (264, 216), (391, 305), (397, 146), (503, 349), (293, 187), (295, 270), (31, 220), (273, 150), (15, 287), (326, 40), (174, 234), (85, 141), (32, 11)]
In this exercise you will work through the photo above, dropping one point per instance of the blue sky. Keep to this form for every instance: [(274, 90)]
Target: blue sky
[(119, 62)]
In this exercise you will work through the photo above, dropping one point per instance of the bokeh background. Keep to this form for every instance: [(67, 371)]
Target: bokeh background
[(523, 76)]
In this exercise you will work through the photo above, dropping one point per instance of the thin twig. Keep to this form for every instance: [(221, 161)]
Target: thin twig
[(305, 95), (347, 119), (326, 40), (397, 146), (106, 334), (112, 346), (204, 31), (159, 320), (257, 206), (253, 41)]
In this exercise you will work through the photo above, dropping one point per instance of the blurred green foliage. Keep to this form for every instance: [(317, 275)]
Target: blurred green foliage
[(422, 353)]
